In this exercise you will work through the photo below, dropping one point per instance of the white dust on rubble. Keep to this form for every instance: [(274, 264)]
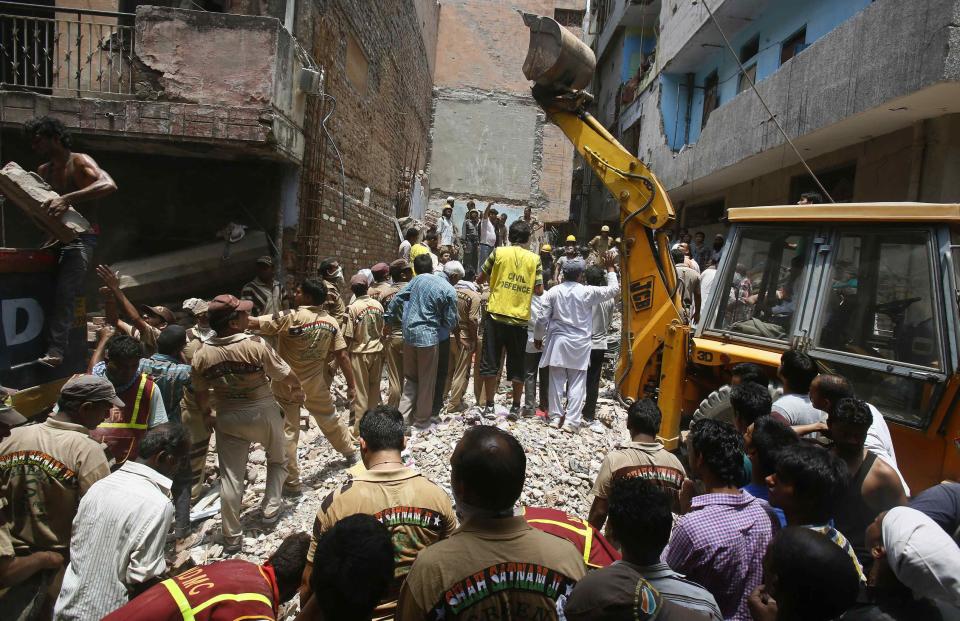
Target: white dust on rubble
[(561, 469)]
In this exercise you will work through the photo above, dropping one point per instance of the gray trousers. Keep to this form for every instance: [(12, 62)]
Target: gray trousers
[(420, 382), (531, 373), (74, 262)]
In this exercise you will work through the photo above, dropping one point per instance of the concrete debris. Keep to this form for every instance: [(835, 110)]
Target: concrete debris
[(561, 469)]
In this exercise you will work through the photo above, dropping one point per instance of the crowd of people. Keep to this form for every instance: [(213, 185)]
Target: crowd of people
[(761, 520)]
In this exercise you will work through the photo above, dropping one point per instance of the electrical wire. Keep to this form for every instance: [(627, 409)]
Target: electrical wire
[(764, 104), (326, 132)]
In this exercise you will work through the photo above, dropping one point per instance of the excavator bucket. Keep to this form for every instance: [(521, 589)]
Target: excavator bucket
[(556, 59)]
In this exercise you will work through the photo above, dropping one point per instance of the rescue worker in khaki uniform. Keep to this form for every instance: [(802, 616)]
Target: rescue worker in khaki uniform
[(363, 331), (400, 272), (496, 566), (644, 457), (197, 425), (417, 512), (381, 284), (465, 341), (45, 470), (238, 368), (231, 589), (332, 273), (307, 338)]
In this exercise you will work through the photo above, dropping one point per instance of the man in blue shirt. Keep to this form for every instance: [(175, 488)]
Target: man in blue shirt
[(427, 310), (172, 377)]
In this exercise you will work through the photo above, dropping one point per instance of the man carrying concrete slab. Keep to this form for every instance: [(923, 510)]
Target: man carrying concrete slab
[(78, 179)]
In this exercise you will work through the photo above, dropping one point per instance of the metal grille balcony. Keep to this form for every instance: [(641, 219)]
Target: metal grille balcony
[(61, 51)]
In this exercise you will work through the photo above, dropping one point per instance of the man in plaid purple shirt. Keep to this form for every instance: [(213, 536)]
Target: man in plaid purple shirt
[(721, 541)]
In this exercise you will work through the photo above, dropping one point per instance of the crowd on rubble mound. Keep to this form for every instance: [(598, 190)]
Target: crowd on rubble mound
[(763, 519)]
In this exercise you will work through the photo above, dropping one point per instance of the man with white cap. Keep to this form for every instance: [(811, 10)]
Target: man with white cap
[(565, 331), (600, 244), (44, 471), (446, 229), (915, 572), (464, 342)]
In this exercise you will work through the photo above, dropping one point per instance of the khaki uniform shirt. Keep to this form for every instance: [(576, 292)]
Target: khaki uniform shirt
[(238, 368), (385, 296), (364, 326), (600, 245), (334, 302), (417, 512), (148, 339), (44, 471), (468, 310), (306, 337), (6, 523), (647, 460), (491, 569), (378, 289)]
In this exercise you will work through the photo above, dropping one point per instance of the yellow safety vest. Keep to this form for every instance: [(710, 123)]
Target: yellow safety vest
[(189, 613), (512, 281)]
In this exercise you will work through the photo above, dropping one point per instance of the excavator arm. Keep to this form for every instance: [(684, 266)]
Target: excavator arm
[(654, 338)]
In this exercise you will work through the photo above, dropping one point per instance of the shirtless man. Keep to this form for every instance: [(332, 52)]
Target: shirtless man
[(874, 485), (78, 179)]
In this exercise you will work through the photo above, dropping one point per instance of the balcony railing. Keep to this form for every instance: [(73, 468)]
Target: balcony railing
[(62, 51)]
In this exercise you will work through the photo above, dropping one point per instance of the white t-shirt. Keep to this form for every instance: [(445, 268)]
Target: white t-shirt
[(797, 410), (488, 233), (404, 250)]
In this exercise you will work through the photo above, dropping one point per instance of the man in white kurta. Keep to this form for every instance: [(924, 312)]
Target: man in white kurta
[(565, 328)]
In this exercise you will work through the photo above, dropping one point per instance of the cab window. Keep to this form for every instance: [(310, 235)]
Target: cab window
[(880, 301), (763, 283)]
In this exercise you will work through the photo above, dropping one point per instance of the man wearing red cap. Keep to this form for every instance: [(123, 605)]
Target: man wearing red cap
[(146, 322), (239, 367), (381, 284)]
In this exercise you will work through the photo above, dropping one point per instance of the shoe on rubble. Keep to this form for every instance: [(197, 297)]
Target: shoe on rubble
[(598, 427), (514, 413), (270, 520), (490, 412), (571, 428), (352, 459), (456, 409), (526, 412), (232, 548), (292, 492)]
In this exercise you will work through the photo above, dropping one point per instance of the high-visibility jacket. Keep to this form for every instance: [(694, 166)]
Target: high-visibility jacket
[(596, 550), (512, 280), (222, 591), (123, 437)]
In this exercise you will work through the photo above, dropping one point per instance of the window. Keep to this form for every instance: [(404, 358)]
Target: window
[(764, 282), (793, 45), (750, 49), (881, 299), (838, 181), (710, 98), (744, 84), (569, 18)]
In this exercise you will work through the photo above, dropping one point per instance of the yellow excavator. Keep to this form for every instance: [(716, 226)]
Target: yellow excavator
[(869, 291)]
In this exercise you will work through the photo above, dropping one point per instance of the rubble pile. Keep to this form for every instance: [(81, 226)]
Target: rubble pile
[(561, 469)]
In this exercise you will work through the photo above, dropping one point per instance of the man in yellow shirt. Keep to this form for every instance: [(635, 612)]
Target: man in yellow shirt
[(515, 276)]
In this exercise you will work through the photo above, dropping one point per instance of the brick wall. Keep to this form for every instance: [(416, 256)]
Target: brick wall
[(379, 68)]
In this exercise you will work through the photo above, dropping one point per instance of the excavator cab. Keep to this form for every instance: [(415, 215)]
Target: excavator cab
[(868, 290)]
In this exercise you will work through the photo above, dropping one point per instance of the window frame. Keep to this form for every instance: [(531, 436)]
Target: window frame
[(707, 323), (894, 367), (793, 41)]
